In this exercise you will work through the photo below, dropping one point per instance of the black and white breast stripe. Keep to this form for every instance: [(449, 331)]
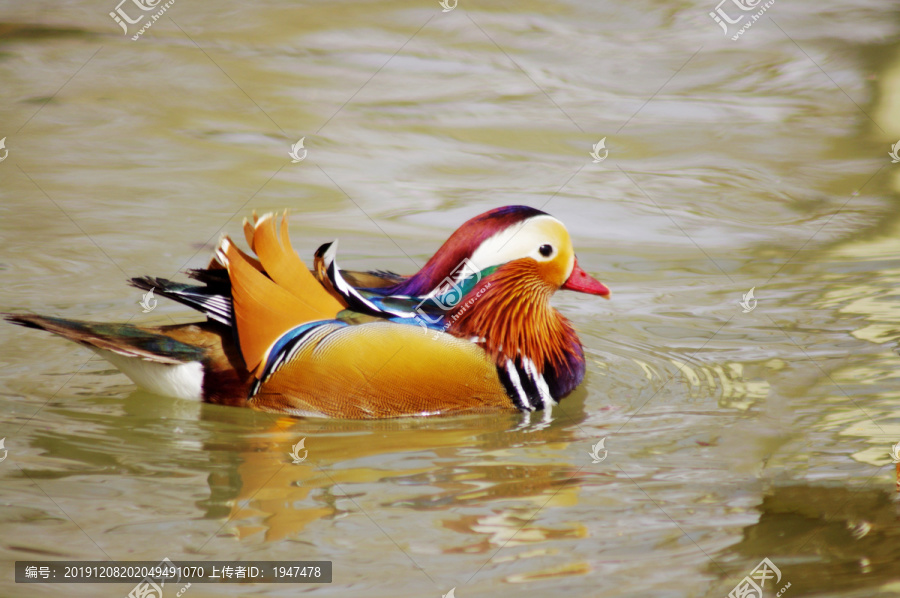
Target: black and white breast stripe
[(526, 387)]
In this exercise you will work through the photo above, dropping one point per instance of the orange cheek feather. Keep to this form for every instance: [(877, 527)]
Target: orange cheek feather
[(552, 272)]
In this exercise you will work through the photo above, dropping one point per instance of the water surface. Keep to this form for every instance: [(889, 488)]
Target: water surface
[(759, 163)]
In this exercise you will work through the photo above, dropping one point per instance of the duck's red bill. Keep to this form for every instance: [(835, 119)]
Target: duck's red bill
[(581, 281)]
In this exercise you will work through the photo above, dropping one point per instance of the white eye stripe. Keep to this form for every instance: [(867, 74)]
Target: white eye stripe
[(520, 240)]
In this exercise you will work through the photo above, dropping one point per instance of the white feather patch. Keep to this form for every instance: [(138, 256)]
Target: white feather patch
[(520, 240), (182, 381)]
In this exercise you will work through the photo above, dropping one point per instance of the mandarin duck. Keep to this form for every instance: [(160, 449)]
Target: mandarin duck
[(472, 331)]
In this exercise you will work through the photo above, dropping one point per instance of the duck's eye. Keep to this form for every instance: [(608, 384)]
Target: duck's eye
[(546, 250)]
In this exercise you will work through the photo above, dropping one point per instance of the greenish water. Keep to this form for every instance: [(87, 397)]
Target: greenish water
[(732, 437)]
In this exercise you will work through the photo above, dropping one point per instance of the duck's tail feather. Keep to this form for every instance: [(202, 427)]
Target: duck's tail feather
[(123, 339), (154, 361)]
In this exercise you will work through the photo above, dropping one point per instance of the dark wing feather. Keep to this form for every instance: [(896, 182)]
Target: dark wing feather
[(213, 300)]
